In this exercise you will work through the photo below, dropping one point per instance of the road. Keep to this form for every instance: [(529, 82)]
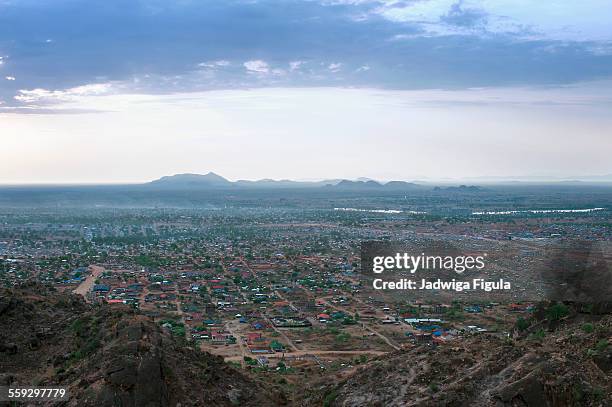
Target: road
[(181, 314), (87, 284), (243, 352), (306, 353)]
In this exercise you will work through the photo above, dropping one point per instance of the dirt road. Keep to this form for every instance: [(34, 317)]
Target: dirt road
[(308, 353), (87, 284)]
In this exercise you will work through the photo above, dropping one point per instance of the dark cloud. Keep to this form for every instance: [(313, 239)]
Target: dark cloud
[(156, 46), (460, 16)]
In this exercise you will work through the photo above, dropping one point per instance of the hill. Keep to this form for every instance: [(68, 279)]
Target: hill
[(191, 180), (566, 365), (214, 181), (111, 357)]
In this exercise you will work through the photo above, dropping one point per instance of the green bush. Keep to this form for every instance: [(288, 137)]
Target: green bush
[(601, 345), (330, 398), (557, 311), (588, 328), (343, 337), (522, 324), (540, 334)]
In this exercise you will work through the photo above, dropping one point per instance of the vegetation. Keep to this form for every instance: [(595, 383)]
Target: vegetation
[(557, 311)]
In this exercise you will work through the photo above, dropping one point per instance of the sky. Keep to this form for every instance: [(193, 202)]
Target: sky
[(128, 91)]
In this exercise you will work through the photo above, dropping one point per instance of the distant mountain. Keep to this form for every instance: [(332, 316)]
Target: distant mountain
[(212, 180), (192, 180), (344, 184), (401, 185), (328, 182)]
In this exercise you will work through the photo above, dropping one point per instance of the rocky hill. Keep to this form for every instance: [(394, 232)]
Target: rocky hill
[(117, 357), (111, 357), (570, 366)]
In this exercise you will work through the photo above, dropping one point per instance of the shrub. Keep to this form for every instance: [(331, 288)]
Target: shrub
[(540, 334), (343, 337), (330, 398), (557, 311), (601, 345), (588, 328), (522, 324)]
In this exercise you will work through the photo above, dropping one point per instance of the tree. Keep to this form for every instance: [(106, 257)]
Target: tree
[(557, 311), (522, 324)]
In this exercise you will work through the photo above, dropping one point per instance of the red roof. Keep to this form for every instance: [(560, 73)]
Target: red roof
[(323, 316)]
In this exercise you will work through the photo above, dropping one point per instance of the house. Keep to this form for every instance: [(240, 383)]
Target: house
[(412, 321), (253, 337), (101, 288), (323, 318), (259, 325), (222, 338), (276, 346), (473, 309)]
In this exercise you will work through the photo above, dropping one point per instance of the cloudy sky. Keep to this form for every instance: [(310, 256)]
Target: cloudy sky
[(123, 91)]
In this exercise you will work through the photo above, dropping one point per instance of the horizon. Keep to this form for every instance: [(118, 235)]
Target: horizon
[(601, 179)]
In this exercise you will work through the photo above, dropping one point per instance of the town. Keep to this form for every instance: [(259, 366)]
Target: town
[(279, 290)]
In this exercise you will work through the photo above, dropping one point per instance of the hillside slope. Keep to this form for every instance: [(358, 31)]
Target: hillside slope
[(110, 357), (567, 367)]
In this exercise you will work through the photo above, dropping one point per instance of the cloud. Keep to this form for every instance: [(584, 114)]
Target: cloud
[(295, 65), (334, 67), (33, 96), (460, 16), (9, 78), (215, 64), (168, 47), (257, 66)]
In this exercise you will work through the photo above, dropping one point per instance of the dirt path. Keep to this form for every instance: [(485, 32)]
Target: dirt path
[(86, 285), (307, 353), (181, 315), (282, 334), (243, 351), (366, 326)]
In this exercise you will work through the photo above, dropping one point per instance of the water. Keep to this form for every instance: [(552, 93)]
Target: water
[(539, 211)]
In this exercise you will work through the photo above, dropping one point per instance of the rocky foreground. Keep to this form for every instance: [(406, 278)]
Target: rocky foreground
[(566, 363), (110, 357), (116, 357)]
